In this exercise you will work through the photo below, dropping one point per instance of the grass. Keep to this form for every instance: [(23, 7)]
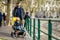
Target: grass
[(2, 39)]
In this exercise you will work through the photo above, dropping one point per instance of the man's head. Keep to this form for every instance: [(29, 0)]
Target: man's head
[(18, 4)]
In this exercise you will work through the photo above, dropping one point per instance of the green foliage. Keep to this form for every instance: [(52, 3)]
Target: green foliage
[(2, 39)]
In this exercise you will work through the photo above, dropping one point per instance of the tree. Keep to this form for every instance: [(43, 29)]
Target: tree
[(8, 10)]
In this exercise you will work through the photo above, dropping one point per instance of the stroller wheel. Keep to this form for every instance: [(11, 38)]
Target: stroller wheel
[(24, 34), (12, 34)]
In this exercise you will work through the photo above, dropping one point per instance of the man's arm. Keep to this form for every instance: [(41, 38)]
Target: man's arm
[(23, 13), (14, 12)]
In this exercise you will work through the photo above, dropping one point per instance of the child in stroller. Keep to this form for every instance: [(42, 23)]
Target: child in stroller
[(18, 29)]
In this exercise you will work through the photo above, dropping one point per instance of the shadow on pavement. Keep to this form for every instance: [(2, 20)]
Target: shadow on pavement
[(4, 34)]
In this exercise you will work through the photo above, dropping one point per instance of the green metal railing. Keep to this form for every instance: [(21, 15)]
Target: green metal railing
[(30, 25)]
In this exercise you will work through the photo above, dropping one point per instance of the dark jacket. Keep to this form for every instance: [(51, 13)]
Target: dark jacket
[(18, 26), (17, 23), (18, 12), (0, 16), (26, 16), (4, 16)]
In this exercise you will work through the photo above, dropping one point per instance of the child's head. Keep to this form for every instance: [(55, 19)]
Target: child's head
[(18, 19), (27, 13)]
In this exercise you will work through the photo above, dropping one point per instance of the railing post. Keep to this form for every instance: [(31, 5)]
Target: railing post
[(49, 30), (38, 29), (34, 30), (26, 24), (30, 26)]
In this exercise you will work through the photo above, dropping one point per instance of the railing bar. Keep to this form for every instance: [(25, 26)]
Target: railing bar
[(34, 29), (38, 29), (46, 19), (47, 34), (49, 30)]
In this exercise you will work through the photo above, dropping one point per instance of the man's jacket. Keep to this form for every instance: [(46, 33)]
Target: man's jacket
[(18, 12)]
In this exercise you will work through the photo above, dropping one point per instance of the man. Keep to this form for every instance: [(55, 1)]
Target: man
[(18, 11), (4, 18)]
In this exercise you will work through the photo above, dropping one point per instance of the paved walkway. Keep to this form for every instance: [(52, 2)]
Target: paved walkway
[(5, 33)]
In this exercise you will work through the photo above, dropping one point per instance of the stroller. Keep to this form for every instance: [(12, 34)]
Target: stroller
[(17, 27)]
